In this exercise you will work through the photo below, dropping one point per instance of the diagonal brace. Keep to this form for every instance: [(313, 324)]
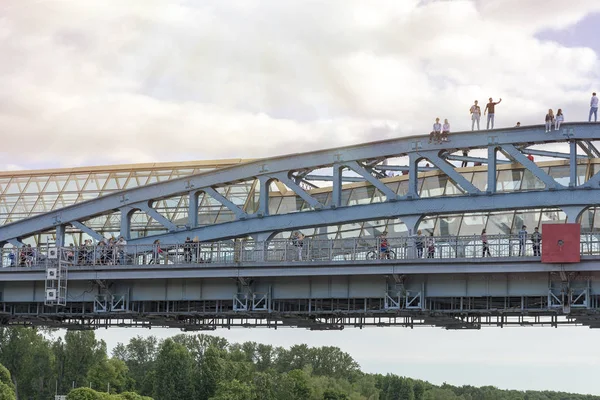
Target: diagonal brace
[(84, 228), (239, 213), (592, 148), (158, 217), (449, 170), (283, 178), (516, 155), (383, 188)]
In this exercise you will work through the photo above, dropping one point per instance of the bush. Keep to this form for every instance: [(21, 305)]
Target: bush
[(5, 377)]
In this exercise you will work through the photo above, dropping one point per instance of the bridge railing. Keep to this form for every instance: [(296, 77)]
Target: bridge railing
[(278, 251)]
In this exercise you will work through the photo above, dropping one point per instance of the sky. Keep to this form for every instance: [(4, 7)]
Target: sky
[(104, 81)]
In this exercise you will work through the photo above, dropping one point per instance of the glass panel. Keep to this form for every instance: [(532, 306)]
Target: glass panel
[(427, 225), (479, 180), (509, 180), (290, 204), (581, 174), (56, 183), (587, 220), (530, 218), (472, 224), (274, 203), (361, 195), (448, 225), (433, 186), (500, 223), (531, 182), (561, 174), (553, 216)]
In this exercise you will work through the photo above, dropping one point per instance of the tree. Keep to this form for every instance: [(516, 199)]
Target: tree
[(139, 355), (6, 392), (210, 373), (84, 394), (26, 354), (331, 394), (77, 355), (233, 390), (111, 373), (174, 369)]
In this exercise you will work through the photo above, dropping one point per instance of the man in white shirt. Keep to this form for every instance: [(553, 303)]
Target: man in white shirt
[(475, 111), (593, 108)]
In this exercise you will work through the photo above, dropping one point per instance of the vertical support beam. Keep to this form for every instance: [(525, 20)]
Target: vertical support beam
[(125, 229), (336, 190), (572, 212), (492, 162), (263, 204), (193, 209), (573, 164), (60, 235), (413, 191), (411, 222)]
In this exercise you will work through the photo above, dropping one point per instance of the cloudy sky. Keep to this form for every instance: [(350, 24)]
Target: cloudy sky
[(174, 80), (97, 81)]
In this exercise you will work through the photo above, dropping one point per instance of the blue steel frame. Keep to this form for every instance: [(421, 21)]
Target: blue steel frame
[(363, 160)]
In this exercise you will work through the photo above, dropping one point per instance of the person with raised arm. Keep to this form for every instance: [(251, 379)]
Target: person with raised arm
[(490, 109)]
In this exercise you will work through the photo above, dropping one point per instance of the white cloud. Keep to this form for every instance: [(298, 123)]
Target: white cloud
[(104, 82)]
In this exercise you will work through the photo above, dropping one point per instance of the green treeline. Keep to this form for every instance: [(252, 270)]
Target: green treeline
[(186, 367)]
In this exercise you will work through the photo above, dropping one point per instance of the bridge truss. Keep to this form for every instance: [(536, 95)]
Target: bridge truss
[(318, 188)]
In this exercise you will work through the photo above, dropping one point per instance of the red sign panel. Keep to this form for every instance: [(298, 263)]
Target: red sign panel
[(560, 243)]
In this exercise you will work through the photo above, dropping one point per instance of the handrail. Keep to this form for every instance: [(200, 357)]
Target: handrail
[(446, 248)]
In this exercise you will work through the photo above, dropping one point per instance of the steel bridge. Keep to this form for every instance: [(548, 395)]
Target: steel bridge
[(246, 277)]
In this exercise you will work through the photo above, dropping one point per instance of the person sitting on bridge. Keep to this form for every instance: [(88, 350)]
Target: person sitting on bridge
[(518, 125), (549, 120), (431, 246), (559, 119), (384, 246), (522, 240), (536, 239), (445, 131), (435, 134)]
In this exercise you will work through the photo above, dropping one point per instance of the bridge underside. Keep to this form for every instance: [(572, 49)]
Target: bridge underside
[(448, 300)]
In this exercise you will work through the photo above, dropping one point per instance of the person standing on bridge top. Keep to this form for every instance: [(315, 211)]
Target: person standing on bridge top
[(593, 108), (522, 240), (475, 111), (490, 109)]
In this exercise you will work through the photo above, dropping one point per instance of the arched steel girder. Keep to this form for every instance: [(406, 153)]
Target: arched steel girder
[(359, 158), (573, 202)]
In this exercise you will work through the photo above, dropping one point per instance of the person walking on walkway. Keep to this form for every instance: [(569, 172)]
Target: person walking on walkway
[(549, 120), (431, 246), (490, 109), (536, 239), (475, 111), (419, 244), (484, 242), (593, 108), (559, 119)]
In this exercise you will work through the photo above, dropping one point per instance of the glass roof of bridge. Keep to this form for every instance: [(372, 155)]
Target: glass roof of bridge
[(28, 193)]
